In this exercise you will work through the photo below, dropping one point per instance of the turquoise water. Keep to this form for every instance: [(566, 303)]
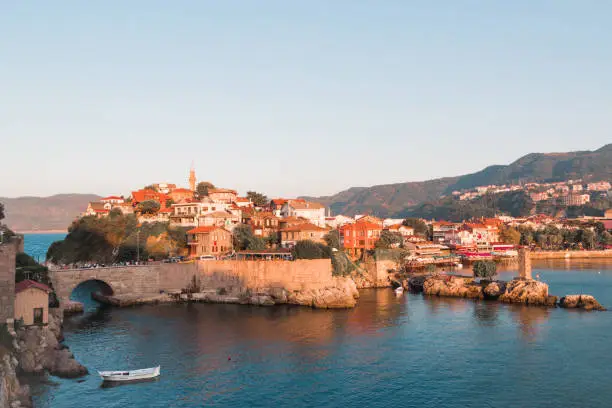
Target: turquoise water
[(408, 351), (36, 245)]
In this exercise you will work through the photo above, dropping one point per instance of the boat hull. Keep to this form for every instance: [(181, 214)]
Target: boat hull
[(133, 375)]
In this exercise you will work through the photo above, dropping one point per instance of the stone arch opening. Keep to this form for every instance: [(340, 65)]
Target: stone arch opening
[(83, 291)]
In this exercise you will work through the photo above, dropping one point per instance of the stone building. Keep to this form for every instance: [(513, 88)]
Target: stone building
[(209, 240), (306, 231), (32, 302), (8, 251)]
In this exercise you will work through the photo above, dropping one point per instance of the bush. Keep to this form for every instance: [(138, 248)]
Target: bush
[(307, 249), (484, 269), (341, 264)]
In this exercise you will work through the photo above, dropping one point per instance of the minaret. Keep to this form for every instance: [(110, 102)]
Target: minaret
[(192, 178)]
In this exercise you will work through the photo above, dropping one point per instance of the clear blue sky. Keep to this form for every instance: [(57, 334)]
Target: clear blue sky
[(293, 97)]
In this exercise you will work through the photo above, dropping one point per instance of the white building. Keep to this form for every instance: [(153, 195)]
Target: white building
[(338, 221), (313, 212)]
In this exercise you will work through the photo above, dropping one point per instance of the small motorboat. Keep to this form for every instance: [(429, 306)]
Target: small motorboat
[(399, 290), (130, 375)]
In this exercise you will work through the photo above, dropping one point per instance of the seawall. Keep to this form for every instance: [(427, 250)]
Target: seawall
[(571, 254)]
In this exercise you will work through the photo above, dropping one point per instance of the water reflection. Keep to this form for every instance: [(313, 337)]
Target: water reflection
[(486, 313), (439, 304), (529, 320)]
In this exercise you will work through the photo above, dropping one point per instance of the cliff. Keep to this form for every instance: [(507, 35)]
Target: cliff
[(12, 393)]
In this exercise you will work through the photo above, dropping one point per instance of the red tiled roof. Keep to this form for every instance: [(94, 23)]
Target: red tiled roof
[(27, 284), (221, 190), (362, 225), (181, 190), (204, 230), (111, 198)]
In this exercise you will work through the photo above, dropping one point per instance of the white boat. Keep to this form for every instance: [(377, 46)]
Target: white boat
[(130, 375), (399, 290)]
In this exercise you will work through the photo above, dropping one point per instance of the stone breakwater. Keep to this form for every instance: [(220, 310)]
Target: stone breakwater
[(341, 293), (518, 290)]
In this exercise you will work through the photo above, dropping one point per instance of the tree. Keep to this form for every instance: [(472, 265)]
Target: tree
[(258, 199), (388, 240), (272, 239), (1, 211), (203, 187), (605, 238), (245, 239), (150, 187), (169, 202), (587, 239), (332, 238), (420, 228), (484, 269), (510, 235), (148, 207), (307, 249)]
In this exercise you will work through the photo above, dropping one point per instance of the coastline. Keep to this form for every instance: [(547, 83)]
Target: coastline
[(41, 231)]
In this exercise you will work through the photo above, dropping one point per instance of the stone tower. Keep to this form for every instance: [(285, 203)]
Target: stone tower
[(192, 179), (524, 264)]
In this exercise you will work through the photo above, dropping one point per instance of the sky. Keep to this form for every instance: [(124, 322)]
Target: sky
[(301, 97)]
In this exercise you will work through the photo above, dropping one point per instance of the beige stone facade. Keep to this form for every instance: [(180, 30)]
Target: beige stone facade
[(212, 240), (8, 251), (32, 305)]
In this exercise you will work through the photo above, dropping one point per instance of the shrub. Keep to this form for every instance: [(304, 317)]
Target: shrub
[(484, 269)]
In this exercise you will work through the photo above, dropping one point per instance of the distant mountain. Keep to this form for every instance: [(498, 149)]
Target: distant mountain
[(391, 199), (44, 213)]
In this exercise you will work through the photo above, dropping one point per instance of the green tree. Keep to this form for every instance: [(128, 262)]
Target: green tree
[(244, 239), (169, 202), (1, 211), (587, 239), (388, 240), (605, 238), (342, 265), (150, 187), (203, 187), (332, 238), (272, 239), (148, 207), (510, 235), (307, 249), (258, 199), (484, 269), (420, 227)]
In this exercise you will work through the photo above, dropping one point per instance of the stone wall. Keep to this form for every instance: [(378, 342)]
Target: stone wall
[(151, 279), (571, 254), (8, 251)]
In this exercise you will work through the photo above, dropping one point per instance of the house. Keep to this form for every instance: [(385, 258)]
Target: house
[(313, 212), (32, 302), (209, 240), (599, 186), (113, 200), (164, 188), (222, 195), (223, 219), (276, 205), (243, 202), (98, 209), (574, 199), (401, 229), (440, 229), (338, 221), (291, 235), (181, 195), (359, 237), (263, 223), (369, 218), (139, 196), (392, 221)]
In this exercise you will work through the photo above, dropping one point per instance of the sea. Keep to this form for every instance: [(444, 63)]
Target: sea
[(389, 351), (36, 245)]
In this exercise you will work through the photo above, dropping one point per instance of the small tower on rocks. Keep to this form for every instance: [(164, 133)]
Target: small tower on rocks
[(524, 260), (192, 178)]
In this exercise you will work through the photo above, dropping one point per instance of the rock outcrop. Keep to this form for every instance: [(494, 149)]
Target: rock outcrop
[(38, 349), (455, 286), (343, 294), (12, 393), (415, 283), (529, 292), (585, 302), (494, 289)]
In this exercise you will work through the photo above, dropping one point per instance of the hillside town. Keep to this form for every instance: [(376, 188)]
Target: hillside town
[(212, 217)]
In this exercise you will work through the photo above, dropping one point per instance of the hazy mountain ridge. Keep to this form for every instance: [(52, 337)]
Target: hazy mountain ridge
[(390, 199), (45, 213)]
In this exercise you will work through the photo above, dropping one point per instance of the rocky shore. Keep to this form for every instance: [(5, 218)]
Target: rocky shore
[(519, 290), (38, 350), (12, 393), (342, 294)]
